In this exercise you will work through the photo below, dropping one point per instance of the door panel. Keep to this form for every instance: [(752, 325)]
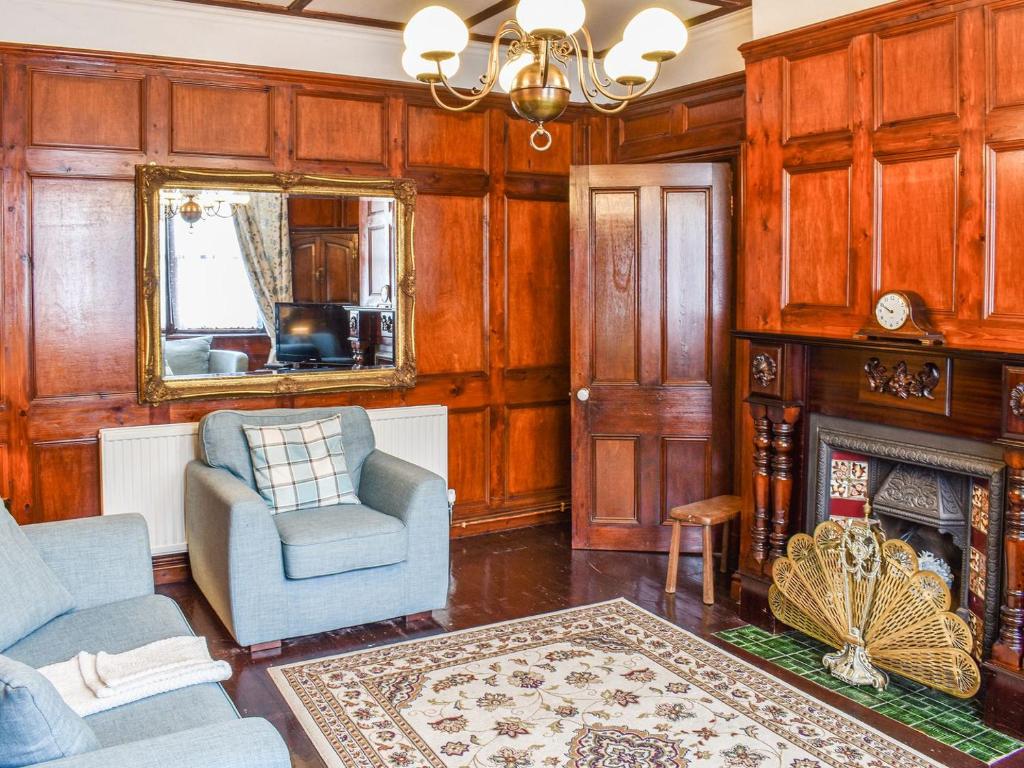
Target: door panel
[(305, 268), (341, 267), (651, 362)]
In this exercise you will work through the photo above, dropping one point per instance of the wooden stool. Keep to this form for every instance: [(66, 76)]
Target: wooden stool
[(707, 513)]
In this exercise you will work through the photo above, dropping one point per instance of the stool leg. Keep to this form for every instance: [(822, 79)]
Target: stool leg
[(673, 559), (709, 567), (724, 565)]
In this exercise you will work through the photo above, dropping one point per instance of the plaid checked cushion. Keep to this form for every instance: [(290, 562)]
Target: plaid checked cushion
[(300, 466)]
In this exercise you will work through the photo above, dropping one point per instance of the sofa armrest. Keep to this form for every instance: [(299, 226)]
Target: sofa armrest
[(246, 743), (228, 361), (99, 560), (409, 492)]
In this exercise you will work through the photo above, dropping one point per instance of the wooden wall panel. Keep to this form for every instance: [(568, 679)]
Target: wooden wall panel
[(77, 494), (903, 57), (84, 333), (1005, 236), (86, 111), (1004, 64), (451, 316), (468, 462), (816, 245), (68, 261), (340, 129), (537, 264), (554, 161), (215, 119), (936, 126), (537, 454), (438, 139), (818, 94), (916, 237)]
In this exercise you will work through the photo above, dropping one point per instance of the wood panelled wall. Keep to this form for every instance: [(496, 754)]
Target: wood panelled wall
[(491, 243), (886, 150)]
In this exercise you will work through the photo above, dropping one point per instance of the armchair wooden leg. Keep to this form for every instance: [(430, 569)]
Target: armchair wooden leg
[(673, 559), (413, 618), (265, 649)]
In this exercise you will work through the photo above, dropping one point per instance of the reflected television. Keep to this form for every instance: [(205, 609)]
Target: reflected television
[(313, 334)]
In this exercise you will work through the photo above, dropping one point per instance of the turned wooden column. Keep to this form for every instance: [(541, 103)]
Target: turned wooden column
[(783, 421), (762, 480), (1008, 650)]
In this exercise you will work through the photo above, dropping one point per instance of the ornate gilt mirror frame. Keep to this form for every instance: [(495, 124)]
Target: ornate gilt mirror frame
[(155, 388)]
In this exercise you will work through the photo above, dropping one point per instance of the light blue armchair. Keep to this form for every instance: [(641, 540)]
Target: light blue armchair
[(271, 577), (105, 564)]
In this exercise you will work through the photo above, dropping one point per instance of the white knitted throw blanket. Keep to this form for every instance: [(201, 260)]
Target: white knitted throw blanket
[(92, 683)]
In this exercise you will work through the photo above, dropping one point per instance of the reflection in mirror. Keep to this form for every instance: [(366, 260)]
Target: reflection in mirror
[(267, 282)]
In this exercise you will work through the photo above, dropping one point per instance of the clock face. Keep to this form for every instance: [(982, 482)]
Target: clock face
[(892, 311)]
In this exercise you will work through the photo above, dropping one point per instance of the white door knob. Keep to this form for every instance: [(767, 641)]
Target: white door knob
[(583, 394)]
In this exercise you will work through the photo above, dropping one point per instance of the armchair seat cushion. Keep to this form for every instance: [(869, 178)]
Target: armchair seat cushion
[(338, 539)]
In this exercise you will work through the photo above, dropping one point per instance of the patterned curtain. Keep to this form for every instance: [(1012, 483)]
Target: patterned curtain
[(262, 227)]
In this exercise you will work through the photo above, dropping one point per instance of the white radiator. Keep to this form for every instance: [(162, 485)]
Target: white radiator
[(142, 469)]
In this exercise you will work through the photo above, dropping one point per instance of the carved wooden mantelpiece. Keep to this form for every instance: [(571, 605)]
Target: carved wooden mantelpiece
[(1013, 407), (908, 381)]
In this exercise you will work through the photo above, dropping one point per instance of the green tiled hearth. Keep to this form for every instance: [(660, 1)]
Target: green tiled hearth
[(952, 721)]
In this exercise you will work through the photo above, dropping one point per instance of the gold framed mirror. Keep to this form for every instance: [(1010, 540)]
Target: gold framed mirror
[(262, 283)]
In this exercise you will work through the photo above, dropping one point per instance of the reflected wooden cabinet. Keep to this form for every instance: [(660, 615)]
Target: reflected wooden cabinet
[(325, 267)]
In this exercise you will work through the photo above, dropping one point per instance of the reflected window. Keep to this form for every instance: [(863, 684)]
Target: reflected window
[(208, 286)]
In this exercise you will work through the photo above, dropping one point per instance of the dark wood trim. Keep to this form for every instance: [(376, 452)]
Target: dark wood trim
[(556, 512), (171, 569), (489, 12), (715, 87), (718, 13), (298, 5)]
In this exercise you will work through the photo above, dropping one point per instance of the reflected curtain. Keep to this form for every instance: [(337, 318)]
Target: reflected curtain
[(262, 227)]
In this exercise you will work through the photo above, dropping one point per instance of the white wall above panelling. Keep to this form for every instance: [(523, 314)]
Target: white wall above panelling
[(207, 33), (771, 17)]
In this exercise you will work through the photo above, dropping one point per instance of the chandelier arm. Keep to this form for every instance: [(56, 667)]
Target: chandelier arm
[(599, 84), (490, 78), (470, 101)]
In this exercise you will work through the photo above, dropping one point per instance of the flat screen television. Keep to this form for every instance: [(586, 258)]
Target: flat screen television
[(312, 334)]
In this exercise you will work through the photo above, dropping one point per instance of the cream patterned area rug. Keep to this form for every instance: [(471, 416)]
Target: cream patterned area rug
[(603, 686)]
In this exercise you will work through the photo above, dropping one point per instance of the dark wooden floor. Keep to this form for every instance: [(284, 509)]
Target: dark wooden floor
[(507, 576)]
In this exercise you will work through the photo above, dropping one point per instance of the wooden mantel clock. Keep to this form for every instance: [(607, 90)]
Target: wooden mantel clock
[(901, 316)]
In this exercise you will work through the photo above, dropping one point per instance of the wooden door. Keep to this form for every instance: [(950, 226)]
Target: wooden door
[(651, 362), (376, 248), (306, 268), (340, 258)]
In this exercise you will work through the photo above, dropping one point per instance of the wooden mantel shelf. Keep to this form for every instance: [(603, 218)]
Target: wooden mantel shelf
[(1010, 358)]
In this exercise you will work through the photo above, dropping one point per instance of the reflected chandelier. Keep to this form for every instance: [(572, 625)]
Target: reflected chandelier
[(542, 38)]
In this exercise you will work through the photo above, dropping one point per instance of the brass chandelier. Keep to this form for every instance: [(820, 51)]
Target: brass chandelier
[(542, 39)]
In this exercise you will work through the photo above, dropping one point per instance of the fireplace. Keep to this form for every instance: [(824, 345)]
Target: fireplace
[(942, 495)]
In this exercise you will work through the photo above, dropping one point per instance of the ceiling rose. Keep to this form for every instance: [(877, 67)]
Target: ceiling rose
[(542, 39)]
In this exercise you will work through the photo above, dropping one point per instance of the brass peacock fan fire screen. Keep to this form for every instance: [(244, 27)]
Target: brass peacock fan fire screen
[(851, 588)]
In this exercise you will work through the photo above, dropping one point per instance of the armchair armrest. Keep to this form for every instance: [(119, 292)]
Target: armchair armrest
[(228, 361), (99, 560), (234, 550), (246, 743), (403, 490)]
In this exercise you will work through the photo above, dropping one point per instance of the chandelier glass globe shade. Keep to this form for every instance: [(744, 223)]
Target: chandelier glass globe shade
[(436, 33), (625, 64), (551, 19), (658, 34), (512, 68), (425, 70)]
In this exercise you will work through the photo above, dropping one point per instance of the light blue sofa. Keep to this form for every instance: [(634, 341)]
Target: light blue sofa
[(105, 564), (271, 577)]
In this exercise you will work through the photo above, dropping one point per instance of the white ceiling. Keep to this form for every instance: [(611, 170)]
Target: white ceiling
[(605, 18)]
